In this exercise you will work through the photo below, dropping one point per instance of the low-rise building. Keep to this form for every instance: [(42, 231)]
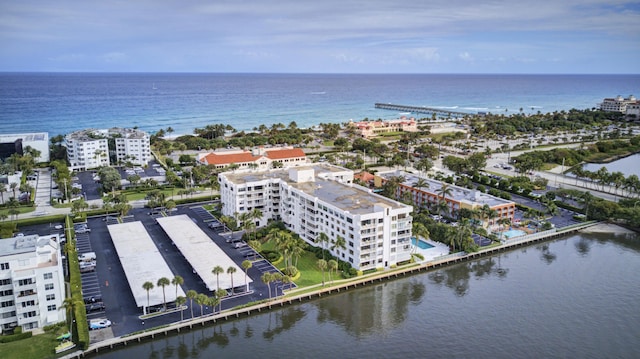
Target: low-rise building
[(259, 158), (426, 192), (17, 143), (320, 198), (369, 129), (31, 282)]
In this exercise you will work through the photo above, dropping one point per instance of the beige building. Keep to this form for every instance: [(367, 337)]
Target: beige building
[(369, 129)]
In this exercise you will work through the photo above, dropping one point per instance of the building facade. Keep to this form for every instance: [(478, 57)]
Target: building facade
[(369, 129), (316, 199), (259, 158), (426, 193), (617, 104), (91, 148), (31, 282), (17, 143)]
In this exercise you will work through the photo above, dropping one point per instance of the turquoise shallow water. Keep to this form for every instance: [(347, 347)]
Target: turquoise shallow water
[(59, 103)]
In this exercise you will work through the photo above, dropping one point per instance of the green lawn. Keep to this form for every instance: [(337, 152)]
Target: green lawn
[(37, 347), (309, 272), (20, 209)]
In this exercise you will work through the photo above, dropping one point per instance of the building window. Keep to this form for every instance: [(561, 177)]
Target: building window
[(51, 296), (9, 314), (51, 308), (22, 282), (48, 286), (8, 303), (4, 266), (5, 282), (48, 275)]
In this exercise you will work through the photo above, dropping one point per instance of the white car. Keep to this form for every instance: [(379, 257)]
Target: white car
[(99, 324), (58, 226)]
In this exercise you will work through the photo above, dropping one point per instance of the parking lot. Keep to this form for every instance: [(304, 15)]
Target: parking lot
[(106, 290)]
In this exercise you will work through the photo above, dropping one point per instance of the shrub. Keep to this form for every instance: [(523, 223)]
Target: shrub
[(291, 271), (17, 335)]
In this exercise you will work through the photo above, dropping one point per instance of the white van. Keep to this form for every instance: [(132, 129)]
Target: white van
[(87, 257)]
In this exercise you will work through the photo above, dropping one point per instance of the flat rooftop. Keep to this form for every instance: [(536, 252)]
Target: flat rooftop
[(459, 194), (142, 262), (347, 197), (200, 251)]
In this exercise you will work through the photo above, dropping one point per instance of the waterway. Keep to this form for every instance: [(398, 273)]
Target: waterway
[(628, 166), (573, 297)]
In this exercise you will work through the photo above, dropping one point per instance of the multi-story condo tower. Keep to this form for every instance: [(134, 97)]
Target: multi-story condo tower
[(91, 148), (316, 199), (31, 282)]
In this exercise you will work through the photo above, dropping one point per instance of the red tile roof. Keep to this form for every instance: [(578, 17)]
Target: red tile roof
[(279, 154), (227, 159), (364, 176)]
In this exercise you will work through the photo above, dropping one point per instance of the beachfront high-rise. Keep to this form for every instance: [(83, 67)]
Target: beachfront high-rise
[(87, 149), (31, 282), (320, 198)]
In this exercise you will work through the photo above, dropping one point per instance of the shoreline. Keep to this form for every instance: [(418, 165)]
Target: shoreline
[(436, 263)]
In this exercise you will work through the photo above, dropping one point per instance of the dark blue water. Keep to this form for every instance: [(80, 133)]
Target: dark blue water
[(572, 298), (60, 103)]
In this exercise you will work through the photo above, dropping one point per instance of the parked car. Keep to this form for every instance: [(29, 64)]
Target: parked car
[(99, 324), (241, 244), (233, 240), (83, 230), (90, 300), (95, 307)]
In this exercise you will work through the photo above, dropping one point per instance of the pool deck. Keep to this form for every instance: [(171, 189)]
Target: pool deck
[(438, 249)]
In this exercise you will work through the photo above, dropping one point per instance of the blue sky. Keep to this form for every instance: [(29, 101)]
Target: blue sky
[(328, 36)]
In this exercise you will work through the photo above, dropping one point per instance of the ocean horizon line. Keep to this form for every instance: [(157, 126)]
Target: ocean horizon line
[(319, 73)]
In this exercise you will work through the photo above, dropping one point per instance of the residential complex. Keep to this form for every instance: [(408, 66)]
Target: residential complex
[(31, 282), (17, 143), (368, 129), (259, 158), (627, 105), (319, 198), (426, 192), (92, 148)]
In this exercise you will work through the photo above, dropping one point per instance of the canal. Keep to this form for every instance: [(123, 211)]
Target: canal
[(572, 297)]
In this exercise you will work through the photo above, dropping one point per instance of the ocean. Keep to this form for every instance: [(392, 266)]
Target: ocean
[(59, 103)]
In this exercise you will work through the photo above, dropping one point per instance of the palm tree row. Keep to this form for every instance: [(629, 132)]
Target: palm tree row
[(163, 282), (602, 178)]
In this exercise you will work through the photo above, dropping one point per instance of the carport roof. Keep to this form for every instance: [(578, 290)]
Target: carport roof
[(200, 251), (142, 262)]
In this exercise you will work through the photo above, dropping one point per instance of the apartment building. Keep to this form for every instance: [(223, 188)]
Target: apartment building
[(430, 193), (17, 143), (618, 104), (31, 282), (320, 198), (91, 148)]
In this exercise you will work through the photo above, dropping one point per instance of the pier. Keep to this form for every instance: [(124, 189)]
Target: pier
[(310, 293), (421, 109)]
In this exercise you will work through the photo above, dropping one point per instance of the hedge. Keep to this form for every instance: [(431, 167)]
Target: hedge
[(75, 282)]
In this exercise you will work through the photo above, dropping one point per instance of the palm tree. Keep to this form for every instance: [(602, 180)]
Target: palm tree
[(177, 280), (163, 282), (71, 305), (220, 293), (246, 264), (322, 265), (267, 278), (213, 302), (191, 294), (322, 238), (333, 266), (179, 302), (3, 189), (217, 270), (147, 286), (256, 246), (286, 280), (340, 242), (443, 192), (201, 300), (230, 271), (419, 230)]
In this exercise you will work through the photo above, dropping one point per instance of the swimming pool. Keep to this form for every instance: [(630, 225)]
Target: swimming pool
[(421, 244), (514, 233)]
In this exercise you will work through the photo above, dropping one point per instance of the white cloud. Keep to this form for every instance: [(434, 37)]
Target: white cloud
[(466, 57)]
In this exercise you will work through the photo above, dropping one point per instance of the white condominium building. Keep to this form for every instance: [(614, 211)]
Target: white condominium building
[(31, 282), (90, 148), (131, 145), (320, 198)]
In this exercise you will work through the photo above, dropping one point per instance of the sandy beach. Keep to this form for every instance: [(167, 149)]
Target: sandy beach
[(607, 228)]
